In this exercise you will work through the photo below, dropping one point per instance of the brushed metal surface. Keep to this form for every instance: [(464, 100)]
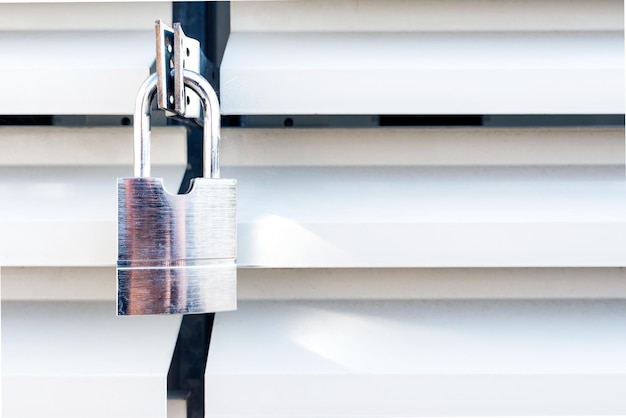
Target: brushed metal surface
[(175, 290), (176, 253), (154, 225)]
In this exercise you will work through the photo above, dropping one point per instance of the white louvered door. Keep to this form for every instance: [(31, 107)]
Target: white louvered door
[(385, 271), (64, 352), (425, 271)]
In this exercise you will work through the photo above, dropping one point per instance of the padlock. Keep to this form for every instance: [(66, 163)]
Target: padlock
[(176, 253)]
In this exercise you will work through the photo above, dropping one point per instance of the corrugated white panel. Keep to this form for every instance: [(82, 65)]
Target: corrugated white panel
[(423, 73), (419, 359), (79, 359), (75, 58)]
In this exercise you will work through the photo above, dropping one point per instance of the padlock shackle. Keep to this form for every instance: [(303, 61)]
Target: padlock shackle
[(210, 103), (141, 129), (211, 107)]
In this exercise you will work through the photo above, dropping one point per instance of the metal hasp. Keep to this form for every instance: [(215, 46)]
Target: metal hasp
[(175, 52), (176, 253)]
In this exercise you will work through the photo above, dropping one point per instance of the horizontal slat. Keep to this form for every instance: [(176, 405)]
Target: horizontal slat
[(59, 242), (64, 216), (284, 244), (423, 73), (440, 284), (70, 194), (79, 1), (422, 146), (58, 284), (64, 359), (426, 15), (389, 359), (359, 217), (81, 72), (86, 16), (438, 217), (103, 146), (98, 284)]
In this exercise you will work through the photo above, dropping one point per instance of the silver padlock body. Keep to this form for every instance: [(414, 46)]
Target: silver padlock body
[(176, 253)]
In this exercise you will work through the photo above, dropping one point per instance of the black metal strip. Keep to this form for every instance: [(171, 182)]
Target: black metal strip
[(209, 23)]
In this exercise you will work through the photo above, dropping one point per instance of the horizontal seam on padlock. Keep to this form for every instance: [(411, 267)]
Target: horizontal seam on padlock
[(176, 263)]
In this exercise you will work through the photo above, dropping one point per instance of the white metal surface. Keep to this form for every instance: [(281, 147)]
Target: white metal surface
[(409, 146), (88, 72), (61, 182), (46, 146), (74, 359), (411, 358), (439, 217), (424, 57), (71, 58), (323, 214), (426, 15), (423, 73), (361, 202), (95, 284), (422, 284), (347, 217), (58, 284), (77, 1), (82, 16)]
